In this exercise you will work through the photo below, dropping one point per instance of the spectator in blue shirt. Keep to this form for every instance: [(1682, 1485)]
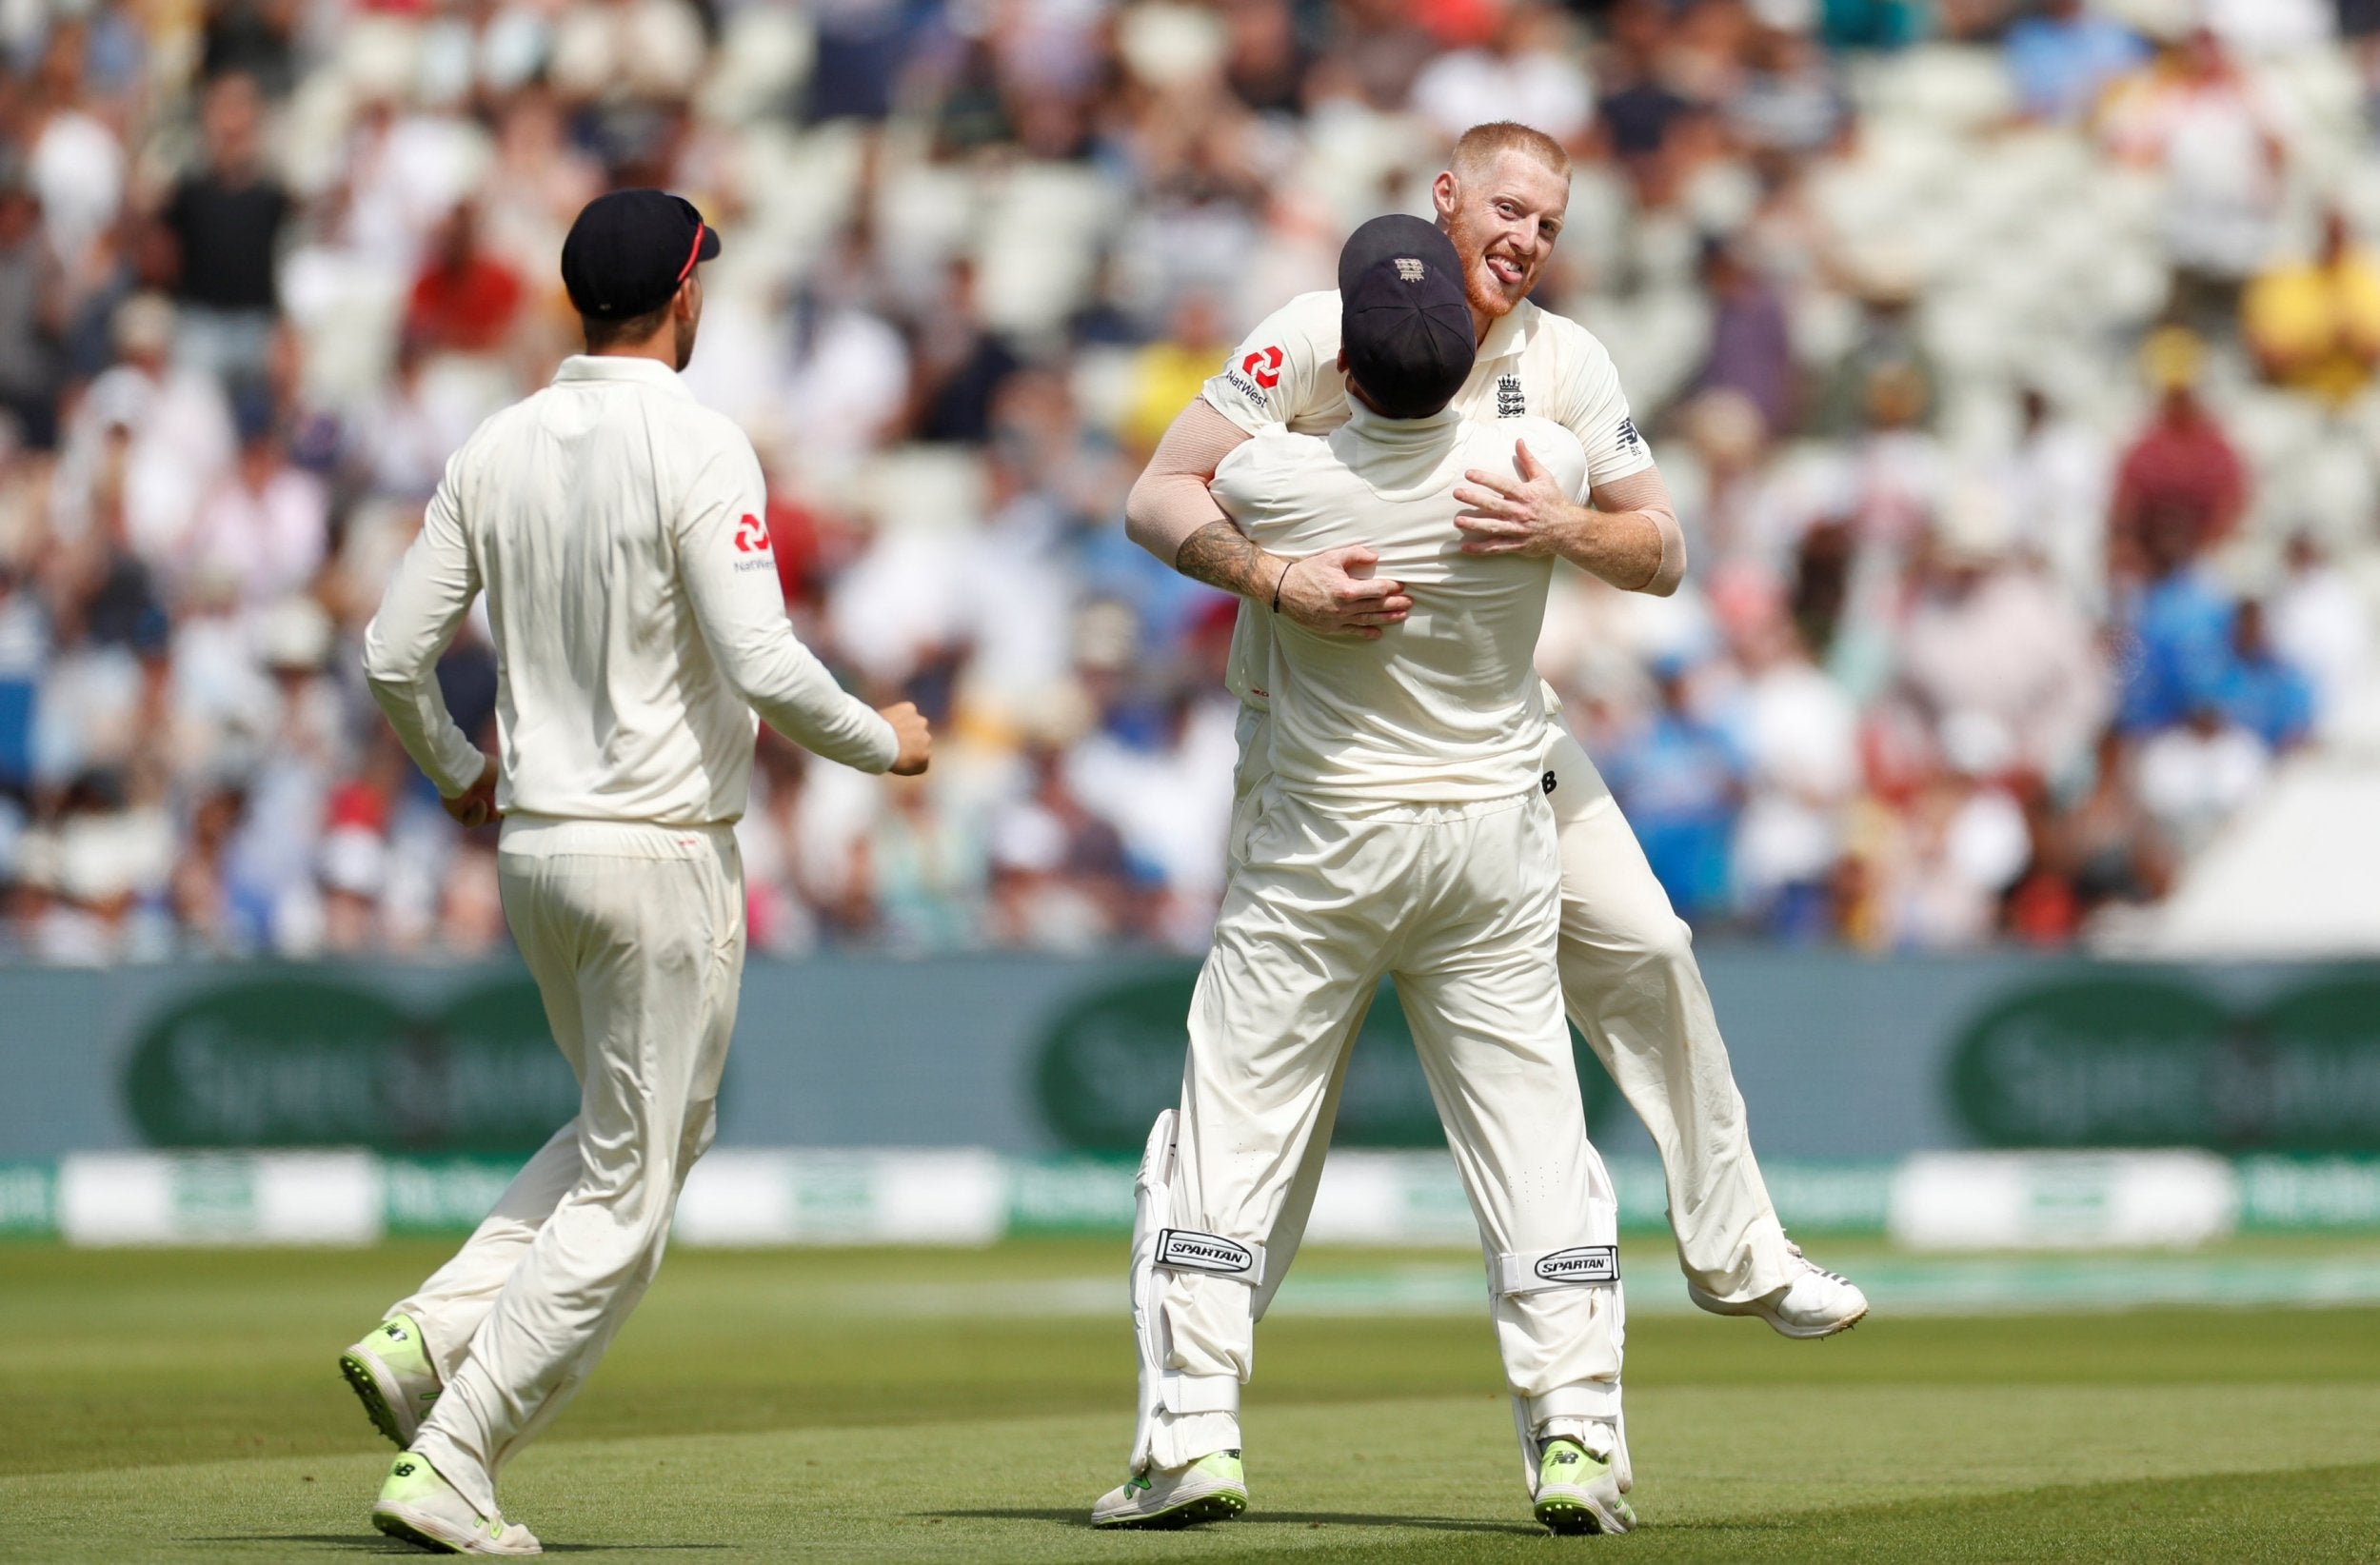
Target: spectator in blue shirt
[(2261, 690), (1681, 785), (2178, 631), (2063, 57)]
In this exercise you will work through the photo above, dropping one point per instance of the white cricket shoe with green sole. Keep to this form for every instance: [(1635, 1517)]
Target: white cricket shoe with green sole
[(393, 1378), (1578, 1492), (1214, 1487), (421, 1508)]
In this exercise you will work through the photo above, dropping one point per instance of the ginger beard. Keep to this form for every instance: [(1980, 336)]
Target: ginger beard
[(1502, 218)]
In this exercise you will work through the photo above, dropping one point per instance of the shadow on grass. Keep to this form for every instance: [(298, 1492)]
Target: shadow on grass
[(1077, 1520), (374, 1543)]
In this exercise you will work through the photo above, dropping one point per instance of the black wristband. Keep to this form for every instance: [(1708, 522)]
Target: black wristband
[(1277, 585)]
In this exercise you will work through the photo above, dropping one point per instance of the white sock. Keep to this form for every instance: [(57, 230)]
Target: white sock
[(1181, 1438)]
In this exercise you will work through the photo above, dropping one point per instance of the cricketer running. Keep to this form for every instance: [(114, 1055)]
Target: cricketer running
[(616, 526)]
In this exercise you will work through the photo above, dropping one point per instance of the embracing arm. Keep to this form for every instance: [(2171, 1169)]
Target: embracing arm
[(1634, 541), (1169, 501), (1626, 533), (1172, 513)]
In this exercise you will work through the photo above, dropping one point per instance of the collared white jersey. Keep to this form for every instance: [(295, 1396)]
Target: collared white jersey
[(1445, 707), (616, 524), (1532, 364)]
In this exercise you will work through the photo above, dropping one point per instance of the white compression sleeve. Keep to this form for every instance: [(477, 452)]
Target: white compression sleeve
[(1169, 501)]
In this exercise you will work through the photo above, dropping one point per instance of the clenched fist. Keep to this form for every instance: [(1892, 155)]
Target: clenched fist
[(917, 742)]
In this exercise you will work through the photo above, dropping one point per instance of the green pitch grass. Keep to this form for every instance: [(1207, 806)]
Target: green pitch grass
[(949, 1406)]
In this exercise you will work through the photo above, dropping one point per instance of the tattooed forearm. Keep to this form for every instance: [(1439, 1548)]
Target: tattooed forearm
[(1223, 556)]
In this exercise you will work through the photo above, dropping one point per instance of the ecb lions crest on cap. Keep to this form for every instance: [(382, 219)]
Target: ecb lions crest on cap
[(1410, 269)]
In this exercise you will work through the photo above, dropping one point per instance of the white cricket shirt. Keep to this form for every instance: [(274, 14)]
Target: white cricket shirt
[(616, 524), (1443, 708), (1532, 364)]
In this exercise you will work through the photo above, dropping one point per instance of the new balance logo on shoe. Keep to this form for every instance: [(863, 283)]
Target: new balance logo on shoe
[(1565, 1458), (404, 1470)]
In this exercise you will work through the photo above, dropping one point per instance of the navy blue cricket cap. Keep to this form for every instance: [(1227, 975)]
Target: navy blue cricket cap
[(1403, 318), (628, 251)]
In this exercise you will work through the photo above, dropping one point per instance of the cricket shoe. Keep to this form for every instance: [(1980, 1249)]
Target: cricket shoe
[(422, 1509), (1816, 1303), (1214, 1487), (1578, 1492), (392, 1377)]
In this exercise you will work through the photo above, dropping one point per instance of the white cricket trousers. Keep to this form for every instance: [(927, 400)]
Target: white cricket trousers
[(1458, 903), (1631, 986), (635, 936)]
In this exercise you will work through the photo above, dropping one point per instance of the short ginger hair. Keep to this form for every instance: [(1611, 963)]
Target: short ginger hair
[(1482, 143)]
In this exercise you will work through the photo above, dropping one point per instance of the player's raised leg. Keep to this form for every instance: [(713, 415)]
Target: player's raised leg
[(1631, 982)]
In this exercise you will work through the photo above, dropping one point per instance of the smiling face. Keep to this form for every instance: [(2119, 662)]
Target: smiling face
[(1503, 214)]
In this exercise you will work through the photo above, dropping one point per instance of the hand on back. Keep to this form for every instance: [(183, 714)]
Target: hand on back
[(1335, 593), (1514, 514)]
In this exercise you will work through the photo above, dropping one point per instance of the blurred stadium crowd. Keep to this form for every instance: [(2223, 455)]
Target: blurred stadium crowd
[(2012, 360)]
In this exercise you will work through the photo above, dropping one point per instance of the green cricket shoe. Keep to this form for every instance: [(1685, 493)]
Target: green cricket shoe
[(1214, 1487), (393, 1378), (417, 1506), (1579, 1492)]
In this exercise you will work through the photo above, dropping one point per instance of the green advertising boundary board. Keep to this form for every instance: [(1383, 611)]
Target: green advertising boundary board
[(1837, 1056)]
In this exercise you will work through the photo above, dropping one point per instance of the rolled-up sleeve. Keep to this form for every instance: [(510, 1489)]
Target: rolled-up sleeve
[(425, 602), (730, 576)]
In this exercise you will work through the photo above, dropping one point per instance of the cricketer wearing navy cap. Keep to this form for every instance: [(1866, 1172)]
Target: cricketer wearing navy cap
[(630, 260), (618, 529), (1406, 342)]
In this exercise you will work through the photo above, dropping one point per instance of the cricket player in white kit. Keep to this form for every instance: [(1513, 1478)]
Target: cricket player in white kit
[(1403, 829), (616, 527), (1628, 972)]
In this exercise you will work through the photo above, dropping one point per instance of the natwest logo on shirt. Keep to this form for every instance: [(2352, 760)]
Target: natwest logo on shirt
[(1253, 376), (752, 535)]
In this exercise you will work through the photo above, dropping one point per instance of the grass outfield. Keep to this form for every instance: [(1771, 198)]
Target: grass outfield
[(855, 1405)]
